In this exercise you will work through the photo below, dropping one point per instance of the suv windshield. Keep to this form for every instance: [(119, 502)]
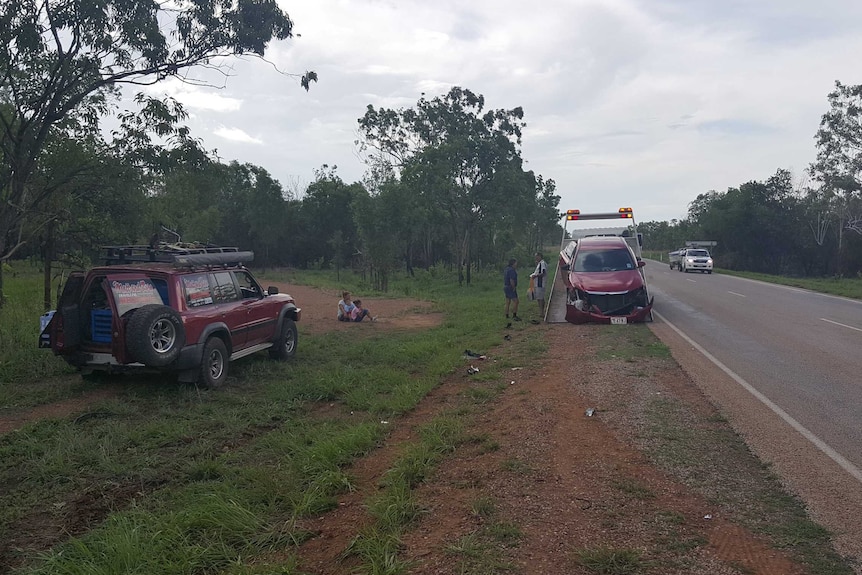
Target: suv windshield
[(612, 260), (697, 253)]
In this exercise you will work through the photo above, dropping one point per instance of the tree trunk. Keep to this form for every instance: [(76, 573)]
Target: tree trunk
[(839, 268), (47, 260), (460, 252)]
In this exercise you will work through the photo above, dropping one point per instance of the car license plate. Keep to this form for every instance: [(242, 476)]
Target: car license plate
[(619, 320)]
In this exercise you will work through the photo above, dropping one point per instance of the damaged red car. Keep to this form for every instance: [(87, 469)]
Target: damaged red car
[(604, 282)]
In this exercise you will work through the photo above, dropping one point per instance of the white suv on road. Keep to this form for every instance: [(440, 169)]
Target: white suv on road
[(696, 259)]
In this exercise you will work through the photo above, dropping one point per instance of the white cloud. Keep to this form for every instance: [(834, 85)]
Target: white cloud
[(236, 135), (645, 103), (194, 97)]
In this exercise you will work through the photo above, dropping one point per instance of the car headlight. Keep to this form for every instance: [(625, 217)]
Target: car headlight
[(709, 261)]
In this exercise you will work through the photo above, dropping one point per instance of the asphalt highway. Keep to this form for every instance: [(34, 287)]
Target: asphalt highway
[(785, 366)]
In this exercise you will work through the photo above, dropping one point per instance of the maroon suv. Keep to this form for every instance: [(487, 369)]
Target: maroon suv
[(184, 310)]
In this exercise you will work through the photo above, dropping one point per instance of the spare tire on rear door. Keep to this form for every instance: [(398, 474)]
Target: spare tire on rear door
[(155, 335)]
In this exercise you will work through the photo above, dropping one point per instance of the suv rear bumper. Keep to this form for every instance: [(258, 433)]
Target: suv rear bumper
[(190, 358)]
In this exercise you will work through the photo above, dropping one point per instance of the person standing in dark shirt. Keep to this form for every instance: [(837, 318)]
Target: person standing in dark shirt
[(510, 288)]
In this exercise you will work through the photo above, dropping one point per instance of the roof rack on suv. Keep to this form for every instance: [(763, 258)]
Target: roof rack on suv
[(180, 254)]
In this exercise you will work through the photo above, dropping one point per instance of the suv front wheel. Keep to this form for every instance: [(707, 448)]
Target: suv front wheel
[(155, 335), (214, 363)]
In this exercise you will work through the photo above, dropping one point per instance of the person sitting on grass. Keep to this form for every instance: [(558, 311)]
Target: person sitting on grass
[(358, 313), (345, 307)]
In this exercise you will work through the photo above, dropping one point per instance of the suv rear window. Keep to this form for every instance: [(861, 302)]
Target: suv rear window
[(130, 294)]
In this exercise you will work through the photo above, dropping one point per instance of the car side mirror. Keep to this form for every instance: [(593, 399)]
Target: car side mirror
[(271, 290), (641, 263)]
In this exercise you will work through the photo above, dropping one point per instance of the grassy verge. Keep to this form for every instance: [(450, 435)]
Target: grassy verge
[(845, 287), (164, 478), (169, 479), (28, 375), (708, 456)]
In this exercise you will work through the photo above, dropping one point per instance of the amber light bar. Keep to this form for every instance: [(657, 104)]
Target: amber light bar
[(622, 213)]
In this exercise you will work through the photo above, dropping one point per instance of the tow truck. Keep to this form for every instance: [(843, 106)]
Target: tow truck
[(603, 273)]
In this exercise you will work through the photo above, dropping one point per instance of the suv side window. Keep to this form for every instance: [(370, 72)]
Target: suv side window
[(247, 286), (224, 289), (197, 289)]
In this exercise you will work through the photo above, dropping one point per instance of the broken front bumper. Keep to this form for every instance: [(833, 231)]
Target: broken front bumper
[(637, 315)]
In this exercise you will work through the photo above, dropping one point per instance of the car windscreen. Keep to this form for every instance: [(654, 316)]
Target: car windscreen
[(607, 260), (697, 253)]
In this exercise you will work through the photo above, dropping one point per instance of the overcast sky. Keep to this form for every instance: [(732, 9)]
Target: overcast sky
[(641, 103)]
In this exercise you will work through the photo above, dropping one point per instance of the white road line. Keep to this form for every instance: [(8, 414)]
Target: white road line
[(690, 280), (734, 293), (841, 324), (818, 443)]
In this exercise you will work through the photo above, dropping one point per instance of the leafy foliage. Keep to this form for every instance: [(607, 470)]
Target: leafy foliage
[(462, 164), (61, 61)]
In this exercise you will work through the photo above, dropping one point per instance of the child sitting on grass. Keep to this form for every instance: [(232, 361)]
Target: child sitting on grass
[(358, 313)]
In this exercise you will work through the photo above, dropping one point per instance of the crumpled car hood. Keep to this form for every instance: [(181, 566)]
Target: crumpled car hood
[(610, 282)]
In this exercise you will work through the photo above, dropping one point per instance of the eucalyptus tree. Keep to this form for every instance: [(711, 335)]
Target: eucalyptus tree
[(80, 195), (546, 226), (756, 225), (62, 58), (325, 229), (253, 210), (663, 236), (838, 167), (385, 227), (462, 159)]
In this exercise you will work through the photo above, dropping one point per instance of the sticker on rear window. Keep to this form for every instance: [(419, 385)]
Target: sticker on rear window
[(131, 294)]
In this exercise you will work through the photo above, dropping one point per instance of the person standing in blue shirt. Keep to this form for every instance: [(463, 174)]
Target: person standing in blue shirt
[(510, 289)]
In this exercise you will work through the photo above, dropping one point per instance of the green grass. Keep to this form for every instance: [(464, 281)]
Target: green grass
[(28, 375), (845, 287), (485, 550), (610, 561), (181, 477), (639, 342), (483, 507), (633, 488), (179, 480)]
